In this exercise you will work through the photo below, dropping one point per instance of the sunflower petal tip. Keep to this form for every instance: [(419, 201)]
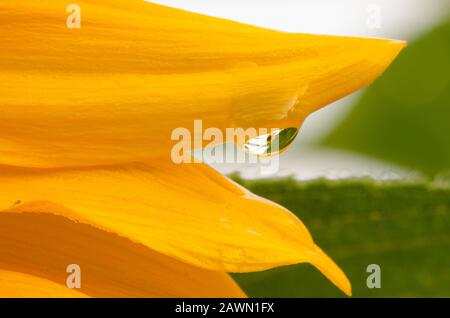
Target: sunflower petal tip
[(331, 270), (397, 46), (347, 64)]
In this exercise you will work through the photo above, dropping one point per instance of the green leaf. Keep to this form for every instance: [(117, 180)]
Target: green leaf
[(403, 227), (404, 117)]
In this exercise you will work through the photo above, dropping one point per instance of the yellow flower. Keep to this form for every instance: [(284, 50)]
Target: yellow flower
[(85, 169)]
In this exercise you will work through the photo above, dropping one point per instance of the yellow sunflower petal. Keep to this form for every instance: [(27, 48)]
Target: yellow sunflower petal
[(44, 245), (21, 285), (189, 212), (113, 90)]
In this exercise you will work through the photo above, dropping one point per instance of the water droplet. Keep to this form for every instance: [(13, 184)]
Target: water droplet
[(271, 144)]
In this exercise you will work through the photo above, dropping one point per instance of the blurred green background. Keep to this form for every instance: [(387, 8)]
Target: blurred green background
[(403, 227), (404, 117)]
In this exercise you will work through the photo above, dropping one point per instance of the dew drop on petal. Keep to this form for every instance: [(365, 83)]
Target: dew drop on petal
[(272, 143)]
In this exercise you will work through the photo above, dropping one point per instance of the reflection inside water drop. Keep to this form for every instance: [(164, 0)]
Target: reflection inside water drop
[(272, 143)]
